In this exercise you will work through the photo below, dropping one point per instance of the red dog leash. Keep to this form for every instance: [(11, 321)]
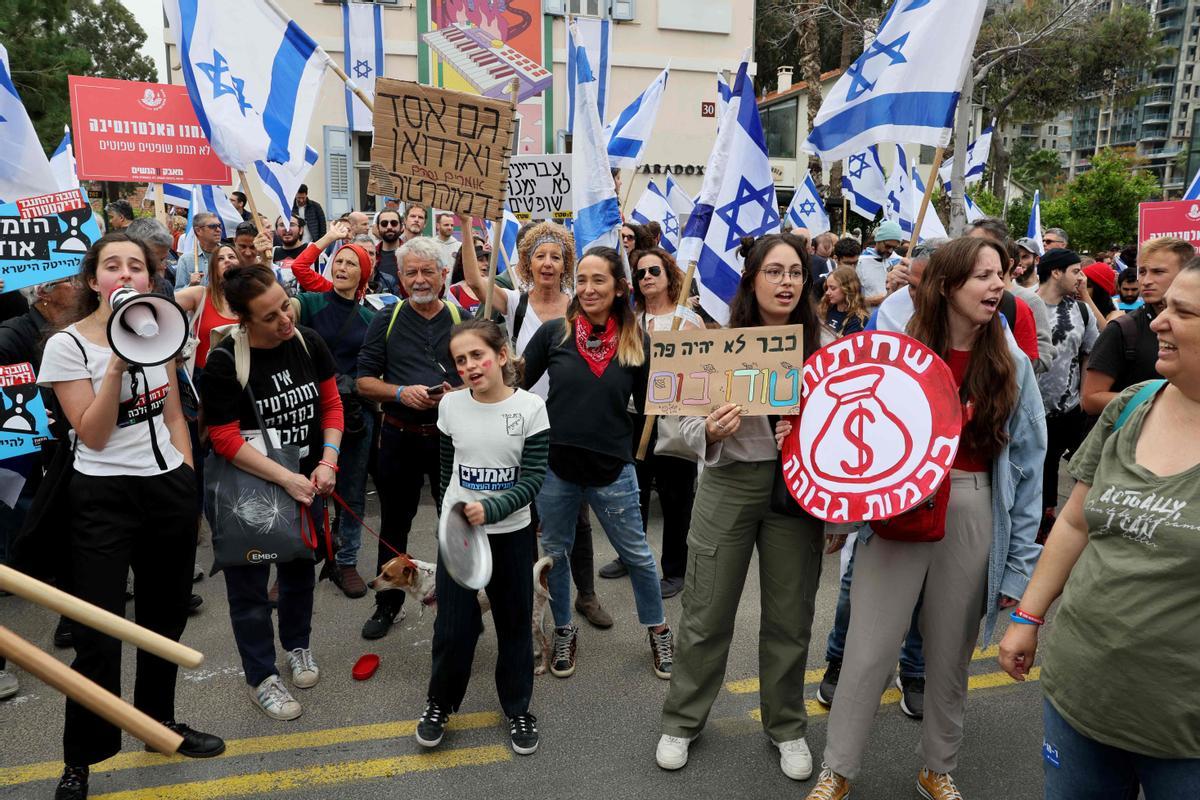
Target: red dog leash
[(365, 526)]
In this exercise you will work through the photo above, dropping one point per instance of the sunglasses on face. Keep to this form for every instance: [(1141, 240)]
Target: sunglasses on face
[(212, 227), (389, 223), (627, 237), (638, 274)]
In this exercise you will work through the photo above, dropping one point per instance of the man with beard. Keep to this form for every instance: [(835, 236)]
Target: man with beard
[(292, 236), (414, 222), (388, 223)]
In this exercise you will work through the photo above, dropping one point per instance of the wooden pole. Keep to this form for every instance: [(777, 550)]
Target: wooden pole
[(87, 693), (937, 163), (676, 323), (845, 214), (628, 190), (160, 204), (514, 92), (258, 223), (43, 594)]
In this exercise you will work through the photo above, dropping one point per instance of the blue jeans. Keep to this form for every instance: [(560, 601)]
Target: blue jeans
[(250, 613), (618, 508), (352, 487), (1079, 768), (912, 654)]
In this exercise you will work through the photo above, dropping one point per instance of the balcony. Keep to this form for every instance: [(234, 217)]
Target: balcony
[(1158, 99), (1166, 7)]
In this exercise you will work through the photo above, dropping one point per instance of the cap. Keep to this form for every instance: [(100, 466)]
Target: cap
[(889, 231), (1028, 245)]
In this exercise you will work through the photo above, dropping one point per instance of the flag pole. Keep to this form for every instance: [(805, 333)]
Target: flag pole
[(628, 191), (253, 206), (160, 204), (329, 62), (514, 93), (676, 323), (845, 213), (937, 163)]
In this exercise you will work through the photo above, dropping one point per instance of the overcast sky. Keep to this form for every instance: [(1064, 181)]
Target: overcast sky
[(150, 15)]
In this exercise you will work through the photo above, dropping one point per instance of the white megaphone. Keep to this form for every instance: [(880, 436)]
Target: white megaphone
[(145, 329)]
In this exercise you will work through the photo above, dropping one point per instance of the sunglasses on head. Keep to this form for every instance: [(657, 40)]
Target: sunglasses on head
[(640, 273)]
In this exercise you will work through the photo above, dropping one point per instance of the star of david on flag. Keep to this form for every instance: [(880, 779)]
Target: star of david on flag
[(362, 48), (737, 199), (862, 182), (654, 207), (977, 156), (807, 209), (905, 85)]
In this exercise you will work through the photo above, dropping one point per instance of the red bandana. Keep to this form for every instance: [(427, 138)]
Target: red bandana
[(601, 350)]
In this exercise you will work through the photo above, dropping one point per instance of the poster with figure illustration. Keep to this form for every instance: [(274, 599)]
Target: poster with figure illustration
[(23, 422), (479, 46)]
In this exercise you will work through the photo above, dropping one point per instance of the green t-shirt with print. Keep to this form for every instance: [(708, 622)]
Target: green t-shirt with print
[(1122, 654)]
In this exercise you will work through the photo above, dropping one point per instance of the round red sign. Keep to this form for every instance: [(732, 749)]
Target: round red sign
[(879, 430)]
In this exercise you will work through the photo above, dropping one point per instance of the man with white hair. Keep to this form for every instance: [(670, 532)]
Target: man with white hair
[(405, 365)]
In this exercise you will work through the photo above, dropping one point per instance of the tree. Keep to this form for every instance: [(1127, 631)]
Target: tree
[(1040, 169), (1100, 207)]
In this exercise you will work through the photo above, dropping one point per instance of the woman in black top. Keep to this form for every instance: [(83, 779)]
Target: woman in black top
[(597, 357)]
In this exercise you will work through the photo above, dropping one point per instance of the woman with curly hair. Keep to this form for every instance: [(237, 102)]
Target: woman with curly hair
[(842, 308)]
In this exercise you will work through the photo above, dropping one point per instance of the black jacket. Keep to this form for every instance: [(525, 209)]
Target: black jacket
[(314, 218)]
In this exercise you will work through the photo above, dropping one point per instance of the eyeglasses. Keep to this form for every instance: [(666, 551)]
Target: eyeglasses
[(775, 274), (212, 226), (638, 274), (389, 223), (627, 237), (1053, 242)]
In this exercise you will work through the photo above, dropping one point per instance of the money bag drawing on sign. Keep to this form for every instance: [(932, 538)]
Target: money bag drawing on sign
[(862, 440)]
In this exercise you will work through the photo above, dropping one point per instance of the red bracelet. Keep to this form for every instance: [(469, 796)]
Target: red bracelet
[(1025, 615), (329, 464)]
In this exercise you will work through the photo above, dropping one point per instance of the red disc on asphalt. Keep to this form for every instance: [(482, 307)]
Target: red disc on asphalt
[(879, 430), (365, 667)]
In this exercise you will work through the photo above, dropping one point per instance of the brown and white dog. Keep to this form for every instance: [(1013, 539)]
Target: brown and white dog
[(417, 579)]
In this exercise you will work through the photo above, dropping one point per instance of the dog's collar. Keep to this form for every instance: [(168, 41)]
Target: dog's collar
[(429, 599)]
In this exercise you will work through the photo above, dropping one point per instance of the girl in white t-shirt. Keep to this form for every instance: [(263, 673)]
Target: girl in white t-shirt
[(133, 505), (495, 440)]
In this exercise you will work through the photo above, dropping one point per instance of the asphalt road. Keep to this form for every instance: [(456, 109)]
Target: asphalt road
[(598, 728)]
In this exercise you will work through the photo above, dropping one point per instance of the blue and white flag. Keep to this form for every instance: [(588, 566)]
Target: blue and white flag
[(595, 36), (807, 209), (282, 180), (212, 200), (977, 156), (898, 188), (931, 226), (1034, 231), (724, 94), (905, 85), (737, 199), (681, 204), (597, 212), (62, 163), (629, 133), (508, 240), (973, 212), (863, 182), (1193, 190), (362, 49), (24, 169), (655, 207), (253, 77), (178, 194)]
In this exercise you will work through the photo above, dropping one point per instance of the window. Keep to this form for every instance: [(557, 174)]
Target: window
[(362, 173), (576, 8), (779, 125), (927, 154)]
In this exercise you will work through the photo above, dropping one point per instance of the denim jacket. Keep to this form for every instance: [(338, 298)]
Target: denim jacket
[(1016, 496)]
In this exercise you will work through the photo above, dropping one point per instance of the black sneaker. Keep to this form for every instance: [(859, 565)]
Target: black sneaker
[(64, 633), (523, 733), (380, 623), (432, 724), (912, 696), (662, 647), (194, 603), (829, 683), (562, 663), (73, 785), (195, 743)]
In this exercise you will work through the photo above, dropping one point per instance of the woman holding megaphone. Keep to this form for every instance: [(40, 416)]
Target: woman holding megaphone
[(131, 496)]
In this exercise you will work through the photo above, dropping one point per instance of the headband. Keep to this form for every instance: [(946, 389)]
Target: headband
[(549, 238)]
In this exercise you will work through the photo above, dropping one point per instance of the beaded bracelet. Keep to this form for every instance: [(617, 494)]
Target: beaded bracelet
[(1027, 618)]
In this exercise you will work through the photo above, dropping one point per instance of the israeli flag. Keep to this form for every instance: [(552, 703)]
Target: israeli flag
[(597, 212), (594, 37), (738, 199), (209, 199), (931, 226), (282, 180), (62, 163), (1193, 190), (863, 182), (807, 209), (655, 207), (24, 169), (973, 212), (1034, 231), (178, 194), (724, 95), (681, 204), (252, 75), (905, 85), (628, 134), (977, 156), (362, 48), (898, 188)]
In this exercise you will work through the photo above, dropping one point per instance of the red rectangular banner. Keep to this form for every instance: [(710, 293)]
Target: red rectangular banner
[(1177, 218), (141, 133)]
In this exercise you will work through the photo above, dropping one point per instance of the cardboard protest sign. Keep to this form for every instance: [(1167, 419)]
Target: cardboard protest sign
[(693, 372), (879, 432), (44, 238), (442, 149), (23, 423), (138, 132), (539, 187)]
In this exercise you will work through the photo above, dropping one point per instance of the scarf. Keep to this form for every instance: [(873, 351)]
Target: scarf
[(596, 357)]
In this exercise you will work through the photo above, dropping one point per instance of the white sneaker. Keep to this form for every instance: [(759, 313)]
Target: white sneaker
[(795, 759), (274, 700), (304, 668), (8, 684), (672, 751)]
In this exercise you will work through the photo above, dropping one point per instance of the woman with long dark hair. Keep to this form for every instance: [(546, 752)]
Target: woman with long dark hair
[(132, 498), (987, 555), (731, 518)]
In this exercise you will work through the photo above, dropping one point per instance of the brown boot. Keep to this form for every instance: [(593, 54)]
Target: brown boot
[(589, 606), (937, 785), (830, 786), (349, 581)]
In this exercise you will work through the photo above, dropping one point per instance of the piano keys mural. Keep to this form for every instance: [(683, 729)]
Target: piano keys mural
[(479, 46)]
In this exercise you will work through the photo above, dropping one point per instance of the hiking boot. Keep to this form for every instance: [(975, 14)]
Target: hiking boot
[(431, 727), (672, 751), (662, 648), (380, 622), (912, 696), (670, 587), (523, 734), (195, 744), (346, 578), (593, 612), (830, 786), (305, 673), (614, 569), (829, 682), (937, 786), (795, 759), (73, 785), (562, 662), (274, 700)]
